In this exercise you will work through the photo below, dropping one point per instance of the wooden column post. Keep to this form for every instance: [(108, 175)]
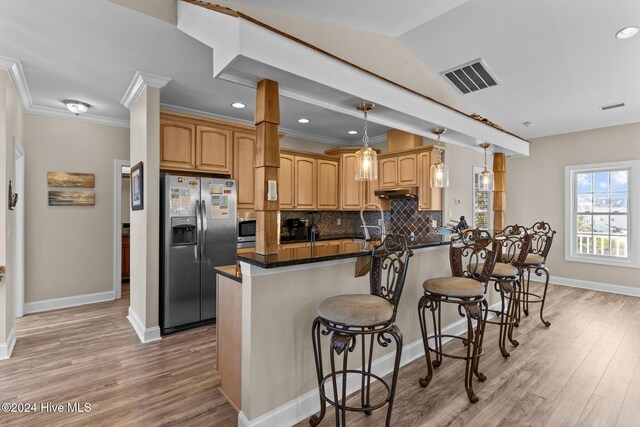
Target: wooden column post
[(499, 191), (266, 167)]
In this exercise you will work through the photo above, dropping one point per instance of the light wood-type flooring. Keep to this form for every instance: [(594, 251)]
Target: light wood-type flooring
[(583, 370)]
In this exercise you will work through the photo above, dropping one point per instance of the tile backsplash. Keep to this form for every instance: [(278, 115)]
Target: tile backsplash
[(404, 217)]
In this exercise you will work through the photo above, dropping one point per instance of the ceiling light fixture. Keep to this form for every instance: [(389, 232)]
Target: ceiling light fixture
[(303, 120), (527, 124), (353, 132), (439, 173), (486, 174), (366, 158), (76, 107), (238, 105), (627, 32)]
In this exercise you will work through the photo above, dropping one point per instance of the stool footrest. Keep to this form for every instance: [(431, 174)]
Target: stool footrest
[(452, 356), (356, 408)]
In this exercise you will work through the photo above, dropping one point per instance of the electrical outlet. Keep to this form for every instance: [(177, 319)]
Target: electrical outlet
[(434, 223), (339, 221), (379, 222)]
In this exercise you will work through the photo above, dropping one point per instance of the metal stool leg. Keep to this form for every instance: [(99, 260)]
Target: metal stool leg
[(340, 343), (317, 353), (423, 305), (366, 367), (514, 304), (397, 336), (525, 294), (502, 334), (472, 311), (544, 295), (482, 323)]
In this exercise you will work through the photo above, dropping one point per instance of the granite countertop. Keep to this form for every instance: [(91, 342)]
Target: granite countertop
[(325, 238), (285, 258), (230, 271)]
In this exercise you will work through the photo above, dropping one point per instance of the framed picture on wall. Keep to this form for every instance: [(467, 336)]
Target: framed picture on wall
[(137, 188)]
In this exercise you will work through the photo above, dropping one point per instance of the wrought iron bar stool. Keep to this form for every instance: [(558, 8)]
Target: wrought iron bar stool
[(541, 239), (512, 246), (472, 261), (370, 317)]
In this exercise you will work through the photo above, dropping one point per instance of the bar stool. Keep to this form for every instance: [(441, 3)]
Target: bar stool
[(512, 246), (542, 237), (372, 316), (472, 262)]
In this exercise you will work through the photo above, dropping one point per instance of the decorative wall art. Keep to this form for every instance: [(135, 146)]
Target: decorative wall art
[(70, 179), (137, 187), (72, 198)]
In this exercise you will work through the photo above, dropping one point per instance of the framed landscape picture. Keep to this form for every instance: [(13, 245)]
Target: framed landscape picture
[(71, 179), (72, 198), (137, 187)]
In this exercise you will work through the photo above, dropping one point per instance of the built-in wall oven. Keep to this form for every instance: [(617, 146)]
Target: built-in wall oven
[(246, 229)]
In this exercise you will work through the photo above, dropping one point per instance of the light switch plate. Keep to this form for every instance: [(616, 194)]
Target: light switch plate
[(272, 194)]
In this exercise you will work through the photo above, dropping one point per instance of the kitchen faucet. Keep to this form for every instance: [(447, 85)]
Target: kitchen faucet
[(366, 227)]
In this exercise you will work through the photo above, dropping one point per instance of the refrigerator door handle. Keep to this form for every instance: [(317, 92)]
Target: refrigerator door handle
[(198, 242), (204, 229)]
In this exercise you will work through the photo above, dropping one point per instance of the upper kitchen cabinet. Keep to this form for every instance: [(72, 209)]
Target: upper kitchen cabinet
[(213, 149), (407, 170), (177, 144), (305, 183), (398, 170), (429, 198), (244, 158), (328, 176), (388, 172), (286, 181)]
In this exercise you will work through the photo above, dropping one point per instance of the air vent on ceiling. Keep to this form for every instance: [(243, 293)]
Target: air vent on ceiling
[(612, 106), (471, 77)]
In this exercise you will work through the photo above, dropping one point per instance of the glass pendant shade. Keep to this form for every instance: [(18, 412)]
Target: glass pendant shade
[(439, 175), (485, 181), (366, 164)]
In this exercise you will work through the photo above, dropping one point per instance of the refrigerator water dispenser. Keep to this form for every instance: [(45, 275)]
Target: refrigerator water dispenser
[(183, 231)]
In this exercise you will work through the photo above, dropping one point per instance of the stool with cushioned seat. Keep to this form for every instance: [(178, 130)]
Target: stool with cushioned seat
[(370, 317), (472, 262), (541, 240)]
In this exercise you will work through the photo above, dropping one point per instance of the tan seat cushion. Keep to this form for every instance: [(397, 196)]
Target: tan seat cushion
[(533, 259), (502, 270), (356, 310), (454, 286)]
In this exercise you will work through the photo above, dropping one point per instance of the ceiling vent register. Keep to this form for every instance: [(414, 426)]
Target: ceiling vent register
[(612, 106), (470, 77)]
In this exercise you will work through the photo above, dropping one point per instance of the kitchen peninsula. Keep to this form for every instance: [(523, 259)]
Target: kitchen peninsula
[(265, 348)]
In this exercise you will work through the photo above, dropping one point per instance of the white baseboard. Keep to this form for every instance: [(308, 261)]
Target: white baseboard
[(145, 334), (595, 286), (56, 303), (6, 348), (309, 403)]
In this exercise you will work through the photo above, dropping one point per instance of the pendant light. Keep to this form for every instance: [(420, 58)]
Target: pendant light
[(439, 173), (366, 158), (485, 182)]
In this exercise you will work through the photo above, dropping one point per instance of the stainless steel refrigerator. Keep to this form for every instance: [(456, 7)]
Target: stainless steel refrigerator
[(198, 232)]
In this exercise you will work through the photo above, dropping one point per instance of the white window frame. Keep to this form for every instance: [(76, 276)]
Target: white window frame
[(633, 211), (478, 170)]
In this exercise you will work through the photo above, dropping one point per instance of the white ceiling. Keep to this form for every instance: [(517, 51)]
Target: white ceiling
[(90, 51), (378, 16)]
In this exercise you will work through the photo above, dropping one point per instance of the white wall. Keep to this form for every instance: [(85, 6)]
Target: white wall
[(125, 201), (69, 249), (535, 191), (299, 144), (460, 162)]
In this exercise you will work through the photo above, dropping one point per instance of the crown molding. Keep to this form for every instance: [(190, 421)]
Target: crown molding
[(16, 75), (87, 118), (139, 82)]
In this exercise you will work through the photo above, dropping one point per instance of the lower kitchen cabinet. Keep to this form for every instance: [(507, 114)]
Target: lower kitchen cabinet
[(126, 254)]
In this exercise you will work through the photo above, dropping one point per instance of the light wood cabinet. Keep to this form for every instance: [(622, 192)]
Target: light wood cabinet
[(244, 158), (429, 198), (286, 181), (327, 185), (328, 247), (246, 251), (370, 197), (407, 170), (305, 186), (126, 257), (388, 172), (213, 149), (177, 144), (351, 191), (351, 246)]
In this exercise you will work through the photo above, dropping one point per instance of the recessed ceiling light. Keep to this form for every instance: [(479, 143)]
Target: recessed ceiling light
[(527, 124), (627, 32), (353, 132), (303, 120), (238, 105), (76, 107)]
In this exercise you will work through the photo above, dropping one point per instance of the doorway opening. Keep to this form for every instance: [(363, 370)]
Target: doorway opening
[(18, 227), (121, 228)]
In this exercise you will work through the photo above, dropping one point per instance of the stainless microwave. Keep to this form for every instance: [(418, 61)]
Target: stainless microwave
[(246, 229)]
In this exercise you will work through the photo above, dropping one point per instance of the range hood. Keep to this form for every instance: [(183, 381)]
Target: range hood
[(398, 193)]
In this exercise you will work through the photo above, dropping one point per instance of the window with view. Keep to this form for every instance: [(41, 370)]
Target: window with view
[(599, 213), (481, 202)]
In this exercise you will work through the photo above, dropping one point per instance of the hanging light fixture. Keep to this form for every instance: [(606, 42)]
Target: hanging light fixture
[(76, 107), (485, 182), (366, 158), (439, 173)]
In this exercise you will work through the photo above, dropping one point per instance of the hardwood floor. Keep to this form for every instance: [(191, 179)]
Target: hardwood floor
[(91, 354), (583, 370)]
